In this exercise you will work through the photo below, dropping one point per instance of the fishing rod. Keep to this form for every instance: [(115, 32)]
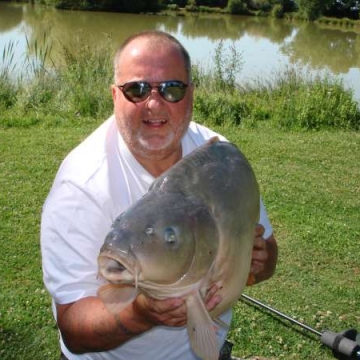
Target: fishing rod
[(344, 345)]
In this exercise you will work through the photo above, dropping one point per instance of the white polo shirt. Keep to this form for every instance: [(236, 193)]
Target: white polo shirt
[(96, 182)]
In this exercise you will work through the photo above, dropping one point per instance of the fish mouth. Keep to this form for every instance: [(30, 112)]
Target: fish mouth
[(117, 269)]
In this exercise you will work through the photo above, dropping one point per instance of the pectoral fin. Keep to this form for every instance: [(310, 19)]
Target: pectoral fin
[(201, 329), (117, 297), (221, 323)]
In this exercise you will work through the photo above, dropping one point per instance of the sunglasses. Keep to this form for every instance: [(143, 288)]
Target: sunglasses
[(137, 91)]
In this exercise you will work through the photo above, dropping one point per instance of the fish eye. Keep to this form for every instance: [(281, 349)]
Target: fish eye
[(170, 236), (149, 230)]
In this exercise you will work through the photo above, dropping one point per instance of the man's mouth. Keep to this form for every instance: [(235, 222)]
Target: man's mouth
[(155, 122)]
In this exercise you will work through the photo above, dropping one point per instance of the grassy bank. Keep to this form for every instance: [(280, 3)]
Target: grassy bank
[(310, 184)]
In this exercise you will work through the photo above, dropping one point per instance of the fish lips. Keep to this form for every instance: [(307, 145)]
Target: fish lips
[(119, 267)]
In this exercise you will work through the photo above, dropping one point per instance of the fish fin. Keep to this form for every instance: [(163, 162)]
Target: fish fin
[(117, 297), (201, 329), (221, 323)]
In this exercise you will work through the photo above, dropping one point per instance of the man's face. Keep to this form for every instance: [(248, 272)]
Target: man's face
[(153, 128)]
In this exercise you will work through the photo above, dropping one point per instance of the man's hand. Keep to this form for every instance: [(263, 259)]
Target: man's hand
[(264, 257), (172, 311)]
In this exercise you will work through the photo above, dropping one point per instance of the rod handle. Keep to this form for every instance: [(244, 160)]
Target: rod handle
[(343, 345)]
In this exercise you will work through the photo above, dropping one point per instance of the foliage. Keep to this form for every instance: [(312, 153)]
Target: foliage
[(237, 7), (8, 90), (310, 9), (220, 109), (172, 7), (306, 9), (78, 87), (179, 3), (134, 6), (277, 11), (263, 5), (291, 100), (313, 9), (343, 8), (212, 3)]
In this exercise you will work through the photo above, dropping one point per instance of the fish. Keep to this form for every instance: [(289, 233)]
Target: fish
[(193, 228)]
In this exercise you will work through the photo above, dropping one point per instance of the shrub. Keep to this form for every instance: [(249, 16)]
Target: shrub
[(277, 11), (8, 92), (172, 7), (298, 101), (219, 108), (237, 7), (263, 5)]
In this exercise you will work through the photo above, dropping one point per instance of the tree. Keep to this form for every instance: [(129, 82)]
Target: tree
[(312, 9), (237, 6), (344, 8), (134, 6)]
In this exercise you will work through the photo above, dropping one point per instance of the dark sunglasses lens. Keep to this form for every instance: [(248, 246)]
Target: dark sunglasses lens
[(172, 91), (137, 91)]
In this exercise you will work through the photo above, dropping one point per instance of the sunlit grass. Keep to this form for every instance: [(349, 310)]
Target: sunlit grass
[(309, 182)]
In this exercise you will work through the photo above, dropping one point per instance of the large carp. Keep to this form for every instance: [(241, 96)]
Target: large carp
[(193, 228)]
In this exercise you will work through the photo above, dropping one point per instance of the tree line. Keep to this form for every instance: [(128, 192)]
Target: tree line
[(307, 9)]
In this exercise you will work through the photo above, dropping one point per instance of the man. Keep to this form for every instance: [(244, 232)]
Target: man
[(150, 131)]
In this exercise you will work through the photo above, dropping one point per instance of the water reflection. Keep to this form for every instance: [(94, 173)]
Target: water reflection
[(267, 44), (331, 48), (10, 17)]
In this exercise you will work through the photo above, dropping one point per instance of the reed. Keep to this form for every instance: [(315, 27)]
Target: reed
[(77, 88)]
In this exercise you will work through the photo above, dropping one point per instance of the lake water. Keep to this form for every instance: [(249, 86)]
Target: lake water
[(267, 46)]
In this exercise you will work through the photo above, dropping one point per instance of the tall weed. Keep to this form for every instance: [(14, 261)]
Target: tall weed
[(86, 75), (77, 88), (8, 90), (217, 100), (294, 99)]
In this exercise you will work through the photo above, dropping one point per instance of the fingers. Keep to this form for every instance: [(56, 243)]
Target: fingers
[(212, 298), (259, 230), (259, 254), (259, 258), (251, 279), (168, 312), (172, 311)]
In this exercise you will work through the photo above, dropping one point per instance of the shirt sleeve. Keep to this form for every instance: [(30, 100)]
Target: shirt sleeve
[(73, 228), (264, 221)]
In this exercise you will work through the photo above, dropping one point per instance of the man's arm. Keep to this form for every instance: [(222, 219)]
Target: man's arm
[(87, 326), (264, 257)]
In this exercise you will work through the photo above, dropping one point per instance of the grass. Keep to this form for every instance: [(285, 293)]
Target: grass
[(29, 158), (311, 189), (310, 184), (309, 181)]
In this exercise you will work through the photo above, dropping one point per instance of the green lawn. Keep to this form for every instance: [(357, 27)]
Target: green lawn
[(310, 183)]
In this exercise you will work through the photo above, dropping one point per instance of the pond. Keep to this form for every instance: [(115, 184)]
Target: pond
[(267, 46)]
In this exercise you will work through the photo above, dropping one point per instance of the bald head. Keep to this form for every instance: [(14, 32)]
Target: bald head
[(155, 40)]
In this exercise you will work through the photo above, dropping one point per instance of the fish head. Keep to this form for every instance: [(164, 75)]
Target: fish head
[(157, 240)]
